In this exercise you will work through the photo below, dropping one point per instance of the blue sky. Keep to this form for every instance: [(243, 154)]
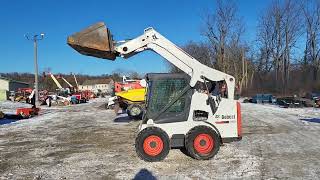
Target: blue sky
[(179, 21)]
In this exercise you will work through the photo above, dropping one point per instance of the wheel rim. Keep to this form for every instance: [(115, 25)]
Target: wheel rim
[(153, 145), (135, 111), (203, 143)]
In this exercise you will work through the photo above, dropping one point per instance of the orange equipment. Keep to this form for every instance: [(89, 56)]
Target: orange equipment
[(27, 112)]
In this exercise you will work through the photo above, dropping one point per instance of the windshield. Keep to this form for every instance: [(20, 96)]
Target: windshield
[(163, 91)]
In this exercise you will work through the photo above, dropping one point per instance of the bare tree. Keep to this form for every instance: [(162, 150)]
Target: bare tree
[(311, 12), (135, 75), (224, 30), (278, 31), (270, 64), (292, 31), (200, 51), (222, 27)]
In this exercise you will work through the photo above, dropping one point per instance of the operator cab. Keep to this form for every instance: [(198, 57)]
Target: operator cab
[(169, 97)]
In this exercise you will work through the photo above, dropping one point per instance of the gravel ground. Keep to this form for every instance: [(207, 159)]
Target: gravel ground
[(88, 142)]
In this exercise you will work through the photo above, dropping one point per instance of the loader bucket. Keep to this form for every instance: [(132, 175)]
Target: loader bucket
[(95, 41)]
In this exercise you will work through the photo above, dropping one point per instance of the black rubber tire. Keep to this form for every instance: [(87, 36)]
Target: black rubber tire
[(189, 142), (149, 132), (122, 105), (135, 116), (106, 106), (184, 151), (246, 101)]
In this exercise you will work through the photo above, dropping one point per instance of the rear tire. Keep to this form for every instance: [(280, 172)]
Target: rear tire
[(152, 144), (202, 143)]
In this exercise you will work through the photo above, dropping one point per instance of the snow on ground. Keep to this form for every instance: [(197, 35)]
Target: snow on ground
[(88, 142)]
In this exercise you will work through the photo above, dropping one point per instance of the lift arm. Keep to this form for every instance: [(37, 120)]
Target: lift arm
[(97, 41), (152, 40), (56, 81), (75, 79)]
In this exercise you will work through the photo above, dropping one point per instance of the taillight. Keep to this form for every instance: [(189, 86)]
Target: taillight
[(239, 122)]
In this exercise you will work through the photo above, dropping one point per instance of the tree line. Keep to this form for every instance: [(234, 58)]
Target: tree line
[(284, 56)]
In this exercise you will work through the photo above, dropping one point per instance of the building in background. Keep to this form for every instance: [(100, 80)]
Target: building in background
[(8, 85), (98, 85), (3, 95)]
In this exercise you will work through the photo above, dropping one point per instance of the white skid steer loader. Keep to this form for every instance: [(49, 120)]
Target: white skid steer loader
[(182, 110)]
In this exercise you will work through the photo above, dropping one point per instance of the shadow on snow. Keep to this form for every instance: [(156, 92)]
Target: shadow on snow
[(313, 120)]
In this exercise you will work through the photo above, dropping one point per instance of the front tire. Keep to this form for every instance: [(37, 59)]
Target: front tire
[(202, 143), (152, 144)]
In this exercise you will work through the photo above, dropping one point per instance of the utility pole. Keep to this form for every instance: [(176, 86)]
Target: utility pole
[(35, 38)]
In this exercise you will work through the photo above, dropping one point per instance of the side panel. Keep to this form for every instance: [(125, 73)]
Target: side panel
[(225, 119), (177, 127)]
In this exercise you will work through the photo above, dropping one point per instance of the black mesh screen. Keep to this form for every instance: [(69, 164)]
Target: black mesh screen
[(163, 91), (168, 97)]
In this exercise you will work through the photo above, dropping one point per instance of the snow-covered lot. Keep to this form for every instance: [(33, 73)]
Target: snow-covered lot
[(89, 142)]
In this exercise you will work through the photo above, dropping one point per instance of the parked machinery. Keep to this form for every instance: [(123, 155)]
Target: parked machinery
[(132, 101), (129, 95), (22, 94)]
